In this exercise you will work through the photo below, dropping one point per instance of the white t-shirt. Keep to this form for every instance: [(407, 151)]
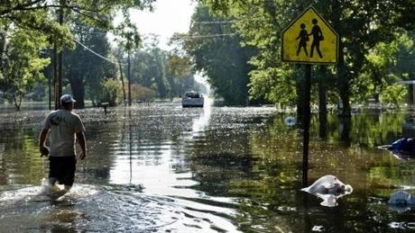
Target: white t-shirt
[(63, 125)]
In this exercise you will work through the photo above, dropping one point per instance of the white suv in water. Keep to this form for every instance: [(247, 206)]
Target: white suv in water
[(192, 99)]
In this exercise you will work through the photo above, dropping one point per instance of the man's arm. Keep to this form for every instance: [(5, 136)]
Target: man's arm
[(82, 142), (42, 138)]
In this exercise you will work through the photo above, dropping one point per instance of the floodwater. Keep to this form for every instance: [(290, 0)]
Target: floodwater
[(162, 168)]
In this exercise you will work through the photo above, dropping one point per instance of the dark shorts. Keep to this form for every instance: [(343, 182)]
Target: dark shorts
[(63, 169)]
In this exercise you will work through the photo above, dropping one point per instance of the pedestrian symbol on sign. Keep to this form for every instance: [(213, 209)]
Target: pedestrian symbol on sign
[(303, 38), (317, 37), (309, 39)]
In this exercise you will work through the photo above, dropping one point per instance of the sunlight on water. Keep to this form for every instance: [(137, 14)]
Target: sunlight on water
[(91, 208), (157, 167), (19, 194), (38, 193), (200, 123), (149, 168)]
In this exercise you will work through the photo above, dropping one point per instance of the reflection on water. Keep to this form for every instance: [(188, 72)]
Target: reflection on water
[(162, 168)]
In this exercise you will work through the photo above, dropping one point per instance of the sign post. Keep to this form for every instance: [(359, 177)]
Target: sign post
[(309, 40)]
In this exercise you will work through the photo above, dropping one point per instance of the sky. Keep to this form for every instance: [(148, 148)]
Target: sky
[(168, 17)]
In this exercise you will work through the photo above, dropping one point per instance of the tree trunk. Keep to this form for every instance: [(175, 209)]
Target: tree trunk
[(77, 86), (322, 90), (17, 101), (299, 102), (301, 91), (343, 84), (122, 82), (411, 94)]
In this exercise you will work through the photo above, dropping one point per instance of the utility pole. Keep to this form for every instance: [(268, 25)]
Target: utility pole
[(129, 79), (129, 66), (55, 73), (58, 61)]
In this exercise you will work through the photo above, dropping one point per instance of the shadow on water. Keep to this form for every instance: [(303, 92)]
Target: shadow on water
[(162, 168)]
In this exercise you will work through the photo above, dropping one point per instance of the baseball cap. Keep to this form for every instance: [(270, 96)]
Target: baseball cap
[(67, 99)]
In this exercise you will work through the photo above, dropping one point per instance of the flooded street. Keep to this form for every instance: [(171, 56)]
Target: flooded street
[(162, 168)]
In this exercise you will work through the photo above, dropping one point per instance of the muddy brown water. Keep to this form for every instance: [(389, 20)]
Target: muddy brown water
[(162, 168)]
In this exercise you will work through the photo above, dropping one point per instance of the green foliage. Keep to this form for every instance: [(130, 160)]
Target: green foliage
[(179, 62), (158, 69), (22, 64), (127, 35), (387, 64), (370, 49), (264, 84), (239, 50), (163, 72), (35, 16), (43, 15), (394, 94), (112, 92), (179, 68), (142, 94), (216, 51), (85, 66), (404, 56), (55, 21)]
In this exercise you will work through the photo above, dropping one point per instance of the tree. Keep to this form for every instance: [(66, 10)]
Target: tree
[(53, 18), (158, 72), (361, 25), (142, 94), (111, 92), (217, 53), (22, 63), (33, 14), (88, 66), (403, 67), (179, 66), (151, 69), (128, 39)]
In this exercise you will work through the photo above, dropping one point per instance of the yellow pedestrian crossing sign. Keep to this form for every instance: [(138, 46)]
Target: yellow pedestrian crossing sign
[(309, 39)]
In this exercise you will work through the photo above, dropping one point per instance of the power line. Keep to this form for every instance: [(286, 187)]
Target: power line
[(203, 36), (99, 55), (174, 37), (214, 22)]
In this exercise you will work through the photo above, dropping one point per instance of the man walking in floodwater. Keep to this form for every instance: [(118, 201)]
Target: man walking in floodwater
[(64, 128), (317, 37), (303, 38)]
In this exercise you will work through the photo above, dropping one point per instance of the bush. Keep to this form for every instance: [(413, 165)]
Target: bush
[(141, 93), (112, 92)]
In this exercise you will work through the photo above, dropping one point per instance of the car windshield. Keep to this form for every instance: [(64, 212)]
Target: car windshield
[(192, 95)]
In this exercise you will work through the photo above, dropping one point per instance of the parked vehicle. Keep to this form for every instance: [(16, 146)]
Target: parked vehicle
[(192, 99)]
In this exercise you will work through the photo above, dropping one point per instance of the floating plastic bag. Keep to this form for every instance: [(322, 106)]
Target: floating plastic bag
[(401, 201), (329, 188)]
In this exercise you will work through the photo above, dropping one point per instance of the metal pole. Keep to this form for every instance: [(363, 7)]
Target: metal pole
[(129, 79), (306, 122), (60, 58), (49, 91), (55, 75), (122, 83)]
